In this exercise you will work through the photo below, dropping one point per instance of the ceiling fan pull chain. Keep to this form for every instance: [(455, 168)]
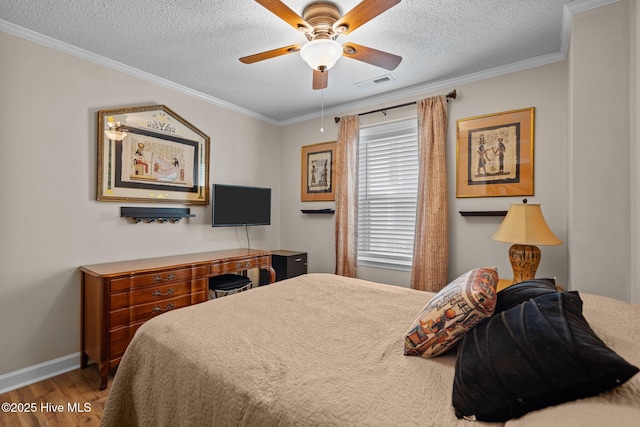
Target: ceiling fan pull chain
[(322, 110)]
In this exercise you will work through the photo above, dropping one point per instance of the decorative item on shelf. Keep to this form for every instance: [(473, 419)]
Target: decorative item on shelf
[(525, 227), (161, 215)]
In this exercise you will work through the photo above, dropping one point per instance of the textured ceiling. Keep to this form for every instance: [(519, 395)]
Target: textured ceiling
[(197, 43)]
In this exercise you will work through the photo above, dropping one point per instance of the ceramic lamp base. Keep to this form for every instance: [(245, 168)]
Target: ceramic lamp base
[(524, 261)]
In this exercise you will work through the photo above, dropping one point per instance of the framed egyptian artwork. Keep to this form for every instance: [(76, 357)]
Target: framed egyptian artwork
[(318, 172), (151, 154), (494, 154)]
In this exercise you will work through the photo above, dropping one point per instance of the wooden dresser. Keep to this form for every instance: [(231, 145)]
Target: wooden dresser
[(118, 297)]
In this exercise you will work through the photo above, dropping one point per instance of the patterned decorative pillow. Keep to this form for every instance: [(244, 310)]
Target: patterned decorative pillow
[(453, 311)]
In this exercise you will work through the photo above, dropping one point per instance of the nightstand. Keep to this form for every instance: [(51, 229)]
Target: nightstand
[(288, 264)]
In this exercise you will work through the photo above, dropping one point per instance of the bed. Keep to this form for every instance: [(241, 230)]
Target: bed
[(325, 350)]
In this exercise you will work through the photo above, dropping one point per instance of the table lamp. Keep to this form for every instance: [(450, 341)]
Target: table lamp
[(525, 227)]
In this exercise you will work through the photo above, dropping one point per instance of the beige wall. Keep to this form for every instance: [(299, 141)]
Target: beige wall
[(50, 222), (586, 156), (599, 133), (634, 112), (543, 88)]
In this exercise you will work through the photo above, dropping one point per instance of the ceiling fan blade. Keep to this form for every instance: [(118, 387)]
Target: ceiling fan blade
[(286, 14), (371, 56), (361, 14), (320, 79), (270, 54)]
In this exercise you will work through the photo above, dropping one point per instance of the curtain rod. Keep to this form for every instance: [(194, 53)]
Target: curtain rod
[(451, 95)]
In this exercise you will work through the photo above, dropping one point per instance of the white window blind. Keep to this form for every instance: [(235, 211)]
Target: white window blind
[(387, 191)]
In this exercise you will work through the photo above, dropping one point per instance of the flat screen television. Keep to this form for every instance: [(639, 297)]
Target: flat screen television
[(235, 205)]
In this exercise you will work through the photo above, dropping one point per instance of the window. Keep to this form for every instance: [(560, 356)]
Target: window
[(387, 192)]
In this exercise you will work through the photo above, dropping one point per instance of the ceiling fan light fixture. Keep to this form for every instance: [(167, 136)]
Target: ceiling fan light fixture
[(321, 54)]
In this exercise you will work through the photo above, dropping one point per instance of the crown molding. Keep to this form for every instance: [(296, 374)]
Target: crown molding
[(420, 90), (77, 52), (578, 6), (570, 9)]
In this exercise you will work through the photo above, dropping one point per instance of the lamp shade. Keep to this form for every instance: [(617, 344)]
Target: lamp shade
[(321, 54), (525, 225)]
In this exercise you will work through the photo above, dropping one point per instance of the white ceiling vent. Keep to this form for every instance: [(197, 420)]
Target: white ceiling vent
[(387, 78)]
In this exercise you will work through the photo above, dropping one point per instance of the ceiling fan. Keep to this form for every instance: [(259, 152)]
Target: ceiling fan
[(322, 23)]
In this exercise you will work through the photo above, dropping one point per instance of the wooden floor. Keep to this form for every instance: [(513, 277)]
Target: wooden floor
[(76, 391)]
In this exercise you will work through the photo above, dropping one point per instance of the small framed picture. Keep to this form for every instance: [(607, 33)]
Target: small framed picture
[(318, 172), (494, 155)]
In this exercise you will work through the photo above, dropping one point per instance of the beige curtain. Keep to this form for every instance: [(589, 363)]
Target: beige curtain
[(347, 195), (431, 242)]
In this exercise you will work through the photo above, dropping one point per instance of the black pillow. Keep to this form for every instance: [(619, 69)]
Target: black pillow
[(523, 291), (539, 353)]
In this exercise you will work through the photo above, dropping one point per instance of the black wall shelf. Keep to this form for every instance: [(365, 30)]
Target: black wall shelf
[(318, 211), (161, 215), (483, 213)]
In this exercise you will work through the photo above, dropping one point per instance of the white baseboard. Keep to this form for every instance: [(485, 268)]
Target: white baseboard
[(39, 372)]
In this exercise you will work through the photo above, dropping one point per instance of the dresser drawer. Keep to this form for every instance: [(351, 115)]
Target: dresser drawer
[(158, 278), (149, 294), (143, 312), (234, 266)]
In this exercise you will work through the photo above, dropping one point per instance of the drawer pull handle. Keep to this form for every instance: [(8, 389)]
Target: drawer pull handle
[(158, 292), (158, 278), (158, 309), (298, 259), (247, 263)]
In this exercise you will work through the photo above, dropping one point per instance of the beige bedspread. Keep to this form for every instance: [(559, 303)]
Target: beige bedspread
[(324, 350)]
